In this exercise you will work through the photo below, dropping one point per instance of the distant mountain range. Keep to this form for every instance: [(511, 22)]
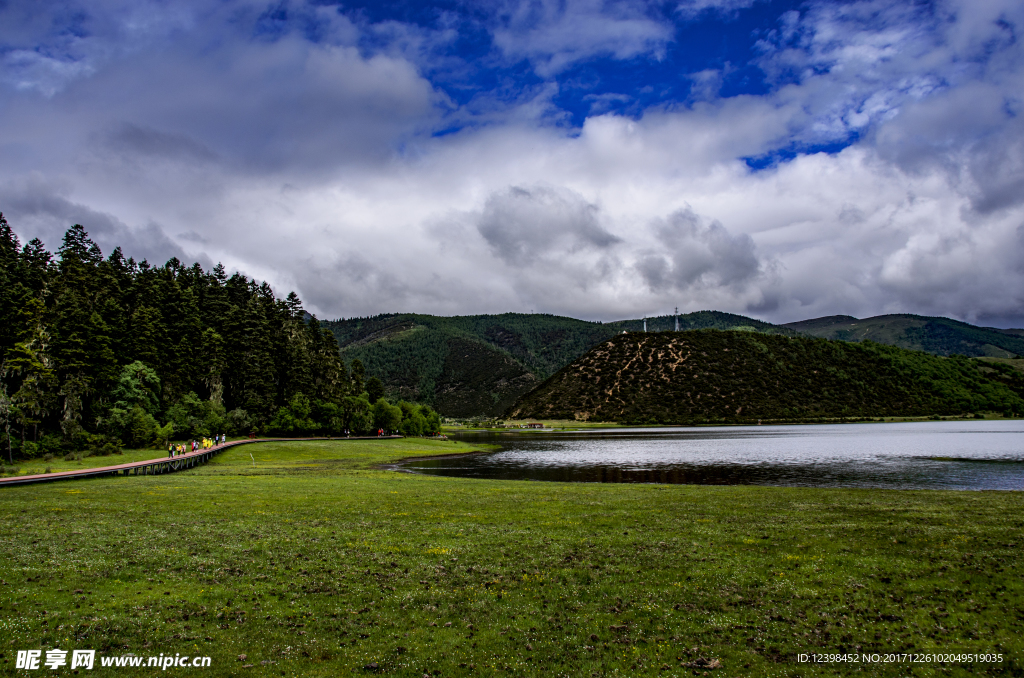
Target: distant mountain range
[(940, 336), (710, 376), (482, 364)]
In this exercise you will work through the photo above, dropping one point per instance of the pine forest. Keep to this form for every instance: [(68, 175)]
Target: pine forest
[(100, 352)]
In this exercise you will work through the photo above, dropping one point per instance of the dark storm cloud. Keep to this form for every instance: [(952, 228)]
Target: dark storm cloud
[(133, 140), (199, 82), (364, 284), (290, 105), (39, 211), (344, 285), (698, 254), (523, 225)]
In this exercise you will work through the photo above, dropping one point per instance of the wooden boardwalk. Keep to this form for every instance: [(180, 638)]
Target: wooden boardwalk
[(156, 466)]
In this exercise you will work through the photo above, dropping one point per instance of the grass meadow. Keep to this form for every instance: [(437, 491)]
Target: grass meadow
[(306, 559)]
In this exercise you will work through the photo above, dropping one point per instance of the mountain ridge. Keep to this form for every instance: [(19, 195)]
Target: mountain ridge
[(941, 336)]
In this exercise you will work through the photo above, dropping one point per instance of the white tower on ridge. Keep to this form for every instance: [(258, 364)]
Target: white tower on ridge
[(645, 323), (677, 318)]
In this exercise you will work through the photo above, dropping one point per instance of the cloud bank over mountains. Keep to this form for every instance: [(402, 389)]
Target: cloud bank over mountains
[(586, 158)]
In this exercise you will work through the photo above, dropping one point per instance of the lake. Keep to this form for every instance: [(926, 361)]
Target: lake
[(949, 455)]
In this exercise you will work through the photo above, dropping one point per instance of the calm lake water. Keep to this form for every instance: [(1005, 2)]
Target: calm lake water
[(953, 455)]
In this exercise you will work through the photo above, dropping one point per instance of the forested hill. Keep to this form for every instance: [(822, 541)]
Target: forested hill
[(96, 353), (468, 365), (710, 376), (480, 364), (940, 336)]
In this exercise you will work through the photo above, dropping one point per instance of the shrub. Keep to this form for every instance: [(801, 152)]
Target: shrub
[(195, 418), (104, 445), (294, 419), (134, 428)]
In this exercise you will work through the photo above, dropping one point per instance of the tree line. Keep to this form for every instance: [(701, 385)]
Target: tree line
[(98, 353)]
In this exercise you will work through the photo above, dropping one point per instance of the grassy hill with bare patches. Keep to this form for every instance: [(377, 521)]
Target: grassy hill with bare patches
[(712, 376)]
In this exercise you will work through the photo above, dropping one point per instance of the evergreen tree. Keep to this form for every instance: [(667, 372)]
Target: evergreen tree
[(374, 389), (358, 374), (10, 299), (213, 361), (5, 416), (138, 386), (299, 347), (146, 336), (37, 266), (29, 363), (254, 366)]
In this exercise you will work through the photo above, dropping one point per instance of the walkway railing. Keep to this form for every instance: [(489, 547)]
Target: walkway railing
[(156, 466)]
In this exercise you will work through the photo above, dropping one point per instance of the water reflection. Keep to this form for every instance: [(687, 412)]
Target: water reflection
[(972, 455)]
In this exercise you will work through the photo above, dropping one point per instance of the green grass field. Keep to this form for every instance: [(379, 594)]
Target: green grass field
[(355, 456), (316, 563), (33, 466)]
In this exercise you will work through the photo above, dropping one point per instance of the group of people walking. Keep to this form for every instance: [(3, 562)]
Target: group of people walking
[(176, 449)]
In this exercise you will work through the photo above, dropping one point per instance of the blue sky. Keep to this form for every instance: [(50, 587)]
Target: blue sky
[(655, 72), (597, 159)]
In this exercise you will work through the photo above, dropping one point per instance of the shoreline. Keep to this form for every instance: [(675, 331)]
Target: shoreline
[(397, 465), (564, 426)]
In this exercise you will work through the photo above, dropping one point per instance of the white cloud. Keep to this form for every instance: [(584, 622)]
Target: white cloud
[(693, 8), (554, 34), (30, 70)]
